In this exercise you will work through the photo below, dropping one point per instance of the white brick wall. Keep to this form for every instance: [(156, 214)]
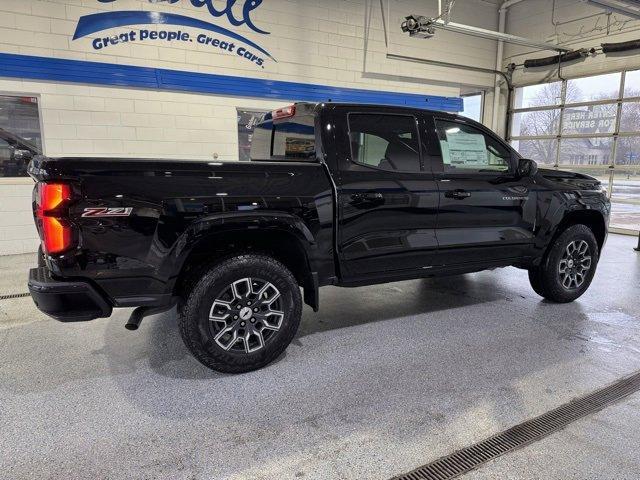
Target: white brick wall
[(17, 233), (335, 42), (165, 124)]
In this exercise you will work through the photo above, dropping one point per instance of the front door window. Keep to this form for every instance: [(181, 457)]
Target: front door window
[(467, 149)]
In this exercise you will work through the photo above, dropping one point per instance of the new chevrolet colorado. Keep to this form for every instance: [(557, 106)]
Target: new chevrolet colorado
[(334, 194)]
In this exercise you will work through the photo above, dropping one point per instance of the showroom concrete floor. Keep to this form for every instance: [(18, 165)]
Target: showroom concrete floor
[(382, 380)]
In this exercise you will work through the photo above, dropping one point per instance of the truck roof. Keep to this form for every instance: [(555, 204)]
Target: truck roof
[(313, 105)]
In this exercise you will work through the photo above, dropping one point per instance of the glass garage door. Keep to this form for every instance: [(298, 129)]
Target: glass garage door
[(591, 125)]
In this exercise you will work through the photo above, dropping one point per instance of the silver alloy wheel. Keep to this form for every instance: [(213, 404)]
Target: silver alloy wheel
[(575, 264), (246, 314)]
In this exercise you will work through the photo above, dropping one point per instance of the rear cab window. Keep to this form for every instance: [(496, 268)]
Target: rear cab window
[(385, 141), (286, 139)]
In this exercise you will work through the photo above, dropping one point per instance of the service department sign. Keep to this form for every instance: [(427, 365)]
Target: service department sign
[(217, 37), (593, 120)]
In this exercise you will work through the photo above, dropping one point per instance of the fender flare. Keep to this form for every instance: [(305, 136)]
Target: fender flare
[(556, 219), (210, 226)]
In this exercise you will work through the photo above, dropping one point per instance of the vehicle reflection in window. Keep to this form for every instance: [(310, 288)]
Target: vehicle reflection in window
[(19, 134)]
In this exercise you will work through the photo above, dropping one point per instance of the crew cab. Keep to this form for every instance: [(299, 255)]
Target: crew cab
[(334, 194)]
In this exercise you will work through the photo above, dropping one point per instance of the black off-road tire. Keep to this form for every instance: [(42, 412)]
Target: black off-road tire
[(536, 281), (546, 280), (200, 294)]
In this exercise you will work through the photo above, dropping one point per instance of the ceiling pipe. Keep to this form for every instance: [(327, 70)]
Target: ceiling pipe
[(418, 22), (617, 7), (423, 22), (502, 24)]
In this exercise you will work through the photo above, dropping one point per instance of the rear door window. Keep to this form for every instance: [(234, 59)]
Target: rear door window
[(388, 142)]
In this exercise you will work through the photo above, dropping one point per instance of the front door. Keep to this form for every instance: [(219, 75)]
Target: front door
[(387, 203), (487, 213)]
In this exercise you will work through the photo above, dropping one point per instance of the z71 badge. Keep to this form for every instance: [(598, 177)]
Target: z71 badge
[(107, 212)]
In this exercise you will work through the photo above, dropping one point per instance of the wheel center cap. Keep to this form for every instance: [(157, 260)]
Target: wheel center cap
[(245, 313), (570, 263)]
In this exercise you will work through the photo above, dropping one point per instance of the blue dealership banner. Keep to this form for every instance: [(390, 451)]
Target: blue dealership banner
[(102, 73), (227, 11), (250, 51), (106, 30)]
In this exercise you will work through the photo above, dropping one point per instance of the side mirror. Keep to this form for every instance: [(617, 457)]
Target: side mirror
[(527, 168)]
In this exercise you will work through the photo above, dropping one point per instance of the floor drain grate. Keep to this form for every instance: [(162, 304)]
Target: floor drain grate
[(14, 295), (470, 458)]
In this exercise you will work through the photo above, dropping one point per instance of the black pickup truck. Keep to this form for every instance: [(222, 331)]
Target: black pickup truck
[(334, 194)]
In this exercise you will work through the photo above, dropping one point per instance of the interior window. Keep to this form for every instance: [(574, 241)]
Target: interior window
[(19, 117), (466, 148), (389, 142)]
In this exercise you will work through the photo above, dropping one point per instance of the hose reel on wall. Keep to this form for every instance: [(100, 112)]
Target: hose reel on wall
[(605, 48)]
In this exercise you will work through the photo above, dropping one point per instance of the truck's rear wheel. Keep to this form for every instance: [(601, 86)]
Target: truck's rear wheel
[(568, 267), (241, 314)]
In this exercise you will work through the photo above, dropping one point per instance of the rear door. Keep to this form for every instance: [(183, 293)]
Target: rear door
[(487, 214), (387, 202)]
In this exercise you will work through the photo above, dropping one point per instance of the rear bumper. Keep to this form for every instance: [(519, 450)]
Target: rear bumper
[(66, 301)]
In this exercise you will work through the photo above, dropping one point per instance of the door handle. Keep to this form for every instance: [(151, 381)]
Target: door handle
[(457, 194), (372, 196), (367, 198)]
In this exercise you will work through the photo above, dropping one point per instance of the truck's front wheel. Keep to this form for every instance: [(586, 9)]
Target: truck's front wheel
[(568, 267), (241, 314)]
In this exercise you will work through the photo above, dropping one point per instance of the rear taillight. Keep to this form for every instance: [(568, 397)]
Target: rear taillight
[(52, 201)]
